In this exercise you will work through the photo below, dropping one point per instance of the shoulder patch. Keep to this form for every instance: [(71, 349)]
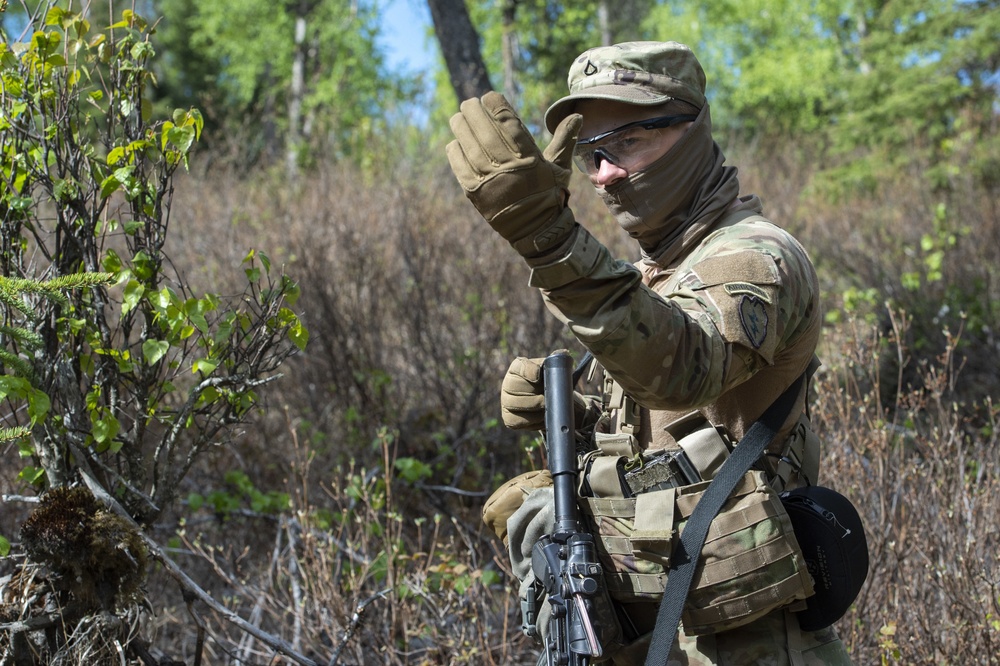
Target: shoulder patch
[(737, 288), (748, 266), (753, 319)]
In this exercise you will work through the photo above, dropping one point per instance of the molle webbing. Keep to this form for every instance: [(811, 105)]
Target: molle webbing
[(748, 556), (615, 400), (704, 620), (628, 533)]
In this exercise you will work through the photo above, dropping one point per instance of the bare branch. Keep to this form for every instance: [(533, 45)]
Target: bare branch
[(356, 619), (27, 499), (191, 587)]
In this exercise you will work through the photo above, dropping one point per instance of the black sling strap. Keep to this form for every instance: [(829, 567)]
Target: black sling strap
[(688, 550)]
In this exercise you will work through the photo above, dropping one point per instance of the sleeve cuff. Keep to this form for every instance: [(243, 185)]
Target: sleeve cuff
[(580, 258)]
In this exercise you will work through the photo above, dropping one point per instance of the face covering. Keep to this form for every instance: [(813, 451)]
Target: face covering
[(673, 203)]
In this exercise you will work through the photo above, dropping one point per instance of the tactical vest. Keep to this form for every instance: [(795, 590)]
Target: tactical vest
[(637, 503)]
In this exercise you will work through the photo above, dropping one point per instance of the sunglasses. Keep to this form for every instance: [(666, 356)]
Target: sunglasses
[(625, 146)]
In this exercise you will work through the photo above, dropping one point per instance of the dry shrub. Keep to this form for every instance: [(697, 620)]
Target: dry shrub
[(931, 249), (924, 473), (384, 433), (350, 578), (902, 238), (414, 309)]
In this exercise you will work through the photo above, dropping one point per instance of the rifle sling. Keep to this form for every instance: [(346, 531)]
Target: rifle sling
[(688, 550)]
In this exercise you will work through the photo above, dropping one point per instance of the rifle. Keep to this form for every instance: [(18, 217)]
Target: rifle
[(565, 562)]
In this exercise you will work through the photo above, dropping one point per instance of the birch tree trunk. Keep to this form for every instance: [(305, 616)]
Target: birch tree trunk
[(300, 9), (296, 94), (604, 21)]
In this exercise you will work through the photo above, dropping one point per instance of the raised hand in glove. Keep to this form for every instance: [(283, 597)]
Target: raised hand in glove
[(521, 191)]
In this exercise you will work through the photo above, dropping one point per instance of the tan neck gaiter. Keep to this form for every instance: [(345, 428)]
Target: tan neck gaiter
[(672, 204)]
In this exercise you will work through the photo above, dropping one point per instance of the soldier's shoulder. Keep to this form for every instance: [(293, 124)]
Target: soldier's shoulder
[(755, 232), (753, 235)]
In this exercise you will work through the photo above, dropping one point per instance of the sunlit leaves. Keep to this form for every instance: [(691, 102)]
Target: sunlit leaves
[(130, 297), (154, 350), (86, 180), (177, 136), (236, 55)]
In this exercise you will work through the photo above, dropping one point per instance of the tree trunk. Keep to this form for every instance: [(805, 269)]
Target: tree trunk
[(604, 21), (296, 94), (460, 47), (509, 51), (300, 10)]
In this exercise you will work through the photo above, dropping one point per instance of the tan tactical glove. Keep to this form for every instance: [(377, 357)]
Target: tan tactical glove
[(522, 396), (521, 191), (509, 497)]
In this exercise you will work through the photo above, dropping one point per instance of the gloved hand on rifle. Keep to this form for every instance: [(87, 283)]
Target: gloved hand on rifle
[(521, 191), (509, 497), (522, 398)]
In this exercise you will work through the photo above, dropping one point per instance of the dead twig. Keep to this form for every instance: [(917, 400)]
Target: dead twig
[(356, 620)]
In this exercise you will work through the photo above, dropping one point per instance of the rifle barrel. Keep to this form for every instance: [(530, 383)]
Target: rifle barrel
[(561, 440)]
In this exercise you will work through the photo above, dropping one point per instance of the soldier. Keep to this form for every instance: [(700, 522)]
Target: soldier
[(720, 315)]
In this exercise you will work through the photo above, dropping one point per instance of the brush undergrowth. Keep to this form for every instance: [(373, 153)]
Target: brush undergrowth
[(346, 519)]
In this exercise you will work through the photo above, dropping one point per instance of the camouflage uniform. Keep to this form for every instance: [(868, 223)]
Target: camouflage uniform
[(740, 313), (720, 315), (742, 309)]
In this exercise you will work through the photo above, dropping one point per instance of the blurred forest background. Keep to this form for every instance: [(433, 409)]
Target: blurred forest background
[(247, 307)]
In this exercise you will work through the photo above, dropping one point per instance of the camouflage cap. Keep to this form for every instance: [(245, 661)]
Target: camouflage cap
[(646, 73)]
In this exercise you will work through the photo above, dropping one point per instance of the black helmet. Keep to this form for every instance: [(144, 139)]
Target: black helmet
[(832, 537)]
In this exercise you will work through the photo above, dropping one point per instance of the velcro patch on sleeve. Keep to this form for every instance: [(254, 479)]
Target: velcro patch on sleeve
[(754, 320), (755, 268), (743, 290)]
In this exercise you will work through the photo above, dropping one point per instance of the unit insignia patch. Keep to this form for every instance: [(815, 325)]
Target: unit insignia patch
[(753, 318)]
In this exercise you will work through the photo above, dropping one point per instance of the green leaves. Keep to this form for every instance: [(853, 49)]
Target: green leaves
[(20, 389), (413, 470), (86, 180), (154, 350), (232, 56), (239, 492), (104, 428), (297, 333), (130, 298), (177, 136), (288, 290)]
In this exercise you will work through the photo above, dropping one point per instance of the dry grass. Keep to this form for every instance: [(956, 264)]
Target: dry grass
[(924, 474)]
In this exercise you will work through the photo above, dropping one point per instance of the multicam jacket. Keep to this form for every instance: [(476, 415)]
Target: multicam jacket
[(723, 330)]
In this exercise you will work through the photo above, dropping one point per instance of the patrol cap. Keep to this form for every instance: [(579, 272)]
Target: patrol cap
[(645, 73), (832, 537)]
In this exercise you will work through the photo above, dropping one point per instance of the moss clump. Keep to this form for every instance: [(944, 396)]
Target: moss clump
[(97, 555)]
